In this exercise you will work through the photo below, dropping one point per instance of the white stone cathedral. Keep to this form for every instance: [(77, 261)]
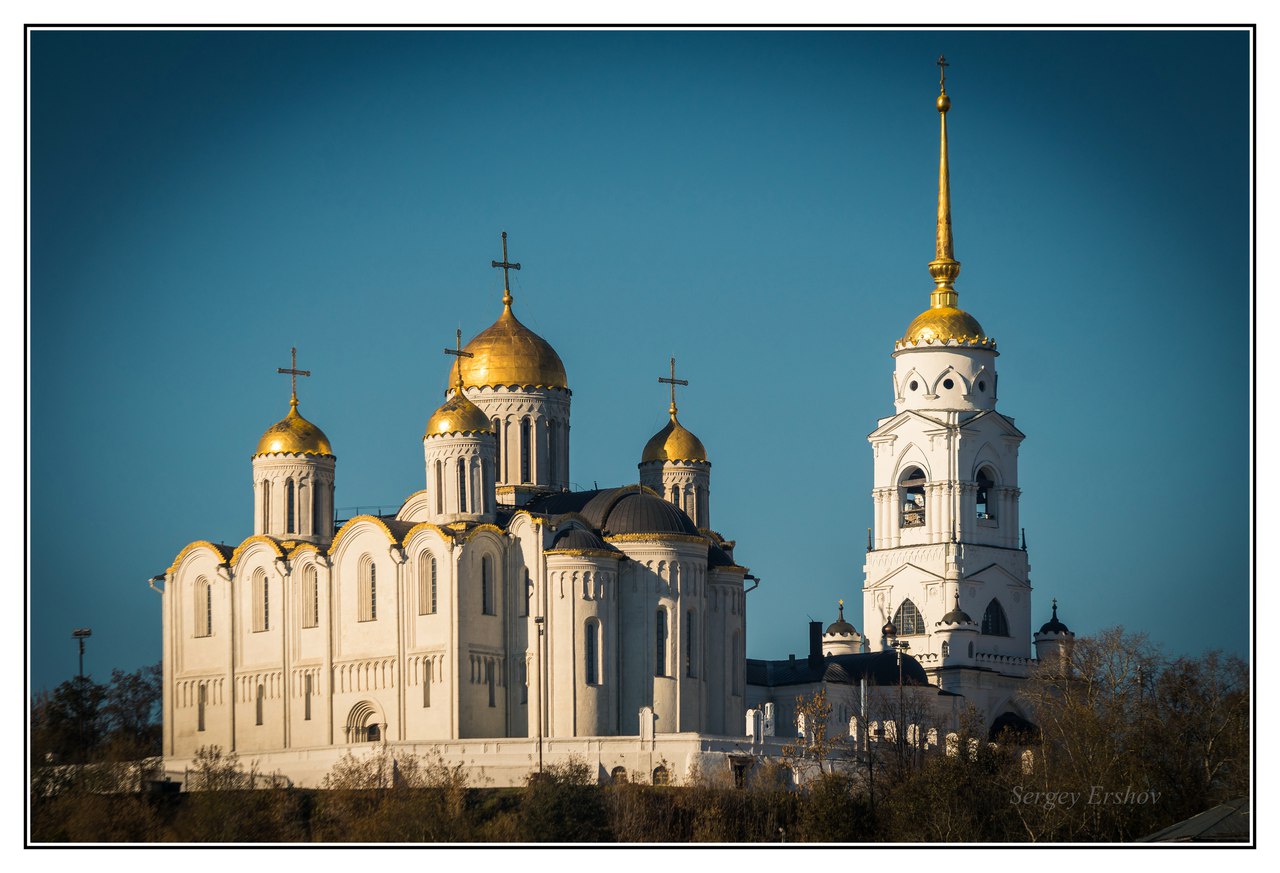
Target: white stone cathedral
[(501, 620)]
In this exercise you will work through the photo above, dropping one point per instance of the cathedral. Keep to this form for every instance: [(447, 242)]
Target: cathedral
[(501, 620)]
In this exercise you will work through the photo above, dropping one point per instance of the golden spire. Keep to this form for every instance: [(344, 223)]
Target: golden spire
[(507, 267), (944, 268)]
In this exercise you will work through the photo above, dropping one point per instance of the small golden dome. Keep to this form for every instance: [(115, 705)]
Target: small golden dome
[(943, 324), (294, 435), (674, 443), (458, 415), (508, 353)]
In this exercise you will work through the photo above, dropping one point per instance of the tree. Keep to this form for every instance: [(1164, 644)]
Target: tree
[(68, 724), (131, 708)]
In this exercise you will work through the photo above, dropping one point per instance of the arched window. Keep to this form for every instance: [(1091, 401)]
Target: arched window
[(994, 622), (524, 681), (660, 643), (306, 698), (477, 487), (368, 591), (526, 450), (201, 700), (661, 776), (690, 644), (946, 648), (204, 608), (439, 487), (985, 503), (426, 683), (911, 489), (675, 495), (486, 586), (462, 485), (489, 681), (262, 694), (261, 601), (310, 597), (618, 775), (702, 509), (553, 441), (908, 619), (591, 649), (290, 516), (363, 725), (427, 584), (317, 510), (266, 504)]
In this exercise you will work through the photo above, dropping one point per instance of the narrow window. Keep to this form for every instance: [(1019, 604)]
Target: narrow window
[(266, 505), (261, 601), (497, 445), (908, 619), (317, 516), (994, 621), (528, 592), (524, 681), (488, 679), (477, 487), (591, 648), (986, 509), (486, 586), (426, 584), (660, 643), (439, 487), (203, 698), (306, 699), (368, 589), (289, 514), (204, 608), (310, 597), (675, 495), (373, 592), (261, 696), (552, 443), (462, 485), (526, 438), (912, 490), (690, 644), (426, 684)]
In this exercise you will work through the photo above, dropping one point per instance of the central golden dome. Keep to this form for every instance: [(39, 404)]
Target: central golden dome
[(457, 415), (293, 435), (943, 324), (508, 353), (674, 443)]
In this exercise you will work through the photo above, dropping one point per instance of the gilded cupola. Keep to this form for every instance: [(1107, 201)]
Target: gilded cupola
[(507, 353), (944, 322), (293, 434), (674, 442), (458, 414)]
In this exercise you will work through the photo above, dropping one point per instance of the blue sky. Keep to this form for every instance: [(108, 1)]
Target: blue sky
[(760, 204)]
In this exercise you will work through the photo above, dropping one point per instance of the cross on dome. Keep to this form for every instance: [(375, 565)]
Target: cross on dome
[(293, 372), (673, 382), (458, 352), (507, 267)]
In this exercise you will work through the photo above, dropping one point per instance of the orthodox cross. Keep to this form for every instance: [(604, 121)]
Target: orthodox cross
[(673, 382), (942, 66), (460, 355), (294, 373), (507, 267)]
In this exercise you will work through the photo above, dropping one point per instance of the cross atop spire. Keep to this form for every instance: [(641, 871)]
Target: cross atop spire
[(944, 268), (942, 81), (507, 267), (294, 373), (460, 354), (673, 382)]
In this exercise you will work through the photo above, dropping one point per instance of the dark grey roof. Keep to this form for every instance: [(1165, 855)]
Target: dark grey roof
[(879, 668), (718, 557), (577, 538), (633, 510), (1228, 823), (561, 502)]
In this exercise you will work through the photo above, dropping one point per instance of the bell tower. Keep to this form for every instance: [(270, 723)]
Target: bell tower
[(945, 542)]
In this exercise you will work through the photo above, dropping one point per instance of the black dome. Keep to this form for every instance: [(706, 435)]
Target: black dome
[(1053, 626), (635, 511), (575, 538)]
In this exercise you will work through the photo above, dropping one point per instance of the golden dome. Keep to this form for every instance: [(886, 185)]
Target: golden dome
[(674, 443), (943, 324), (294, 435), (458, 415), (508, 353)]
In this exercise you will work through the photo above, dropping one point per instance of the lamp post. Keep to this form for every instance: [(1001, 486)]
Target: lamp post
[(81, 634), (540, 621), (900, 734)]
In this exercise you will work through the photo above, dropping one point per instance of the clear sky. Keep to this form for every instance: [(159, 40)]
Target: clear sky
[(759, 204)]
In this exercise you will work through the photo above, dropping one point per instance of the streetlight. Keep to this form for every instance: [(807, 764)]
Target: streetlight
[(540, 621), (900, 733), (81, 634)]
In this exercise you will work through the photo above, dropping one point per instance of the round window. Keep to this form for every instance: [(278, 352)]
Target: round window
[(948, 384), (982, 386), (914, 385)]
